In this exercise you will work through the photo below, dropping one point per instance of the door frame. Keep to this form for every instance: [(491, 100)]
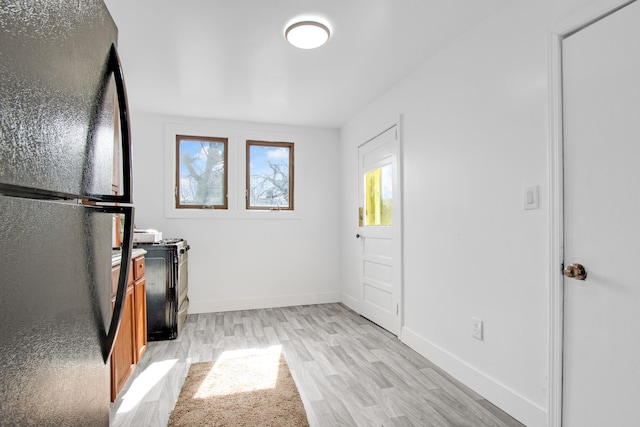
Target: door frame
[(555, 162), (398, 220)]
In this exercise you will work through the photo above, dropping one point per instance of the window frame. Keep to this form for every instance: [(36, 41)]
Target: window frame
[(290, 147), (374, 180), (225, 142)]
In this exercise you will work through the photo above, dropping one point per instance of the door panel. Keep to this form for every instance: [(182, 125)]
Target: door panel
[(601, 107), (57, 97), (54, 311), (380, 233)]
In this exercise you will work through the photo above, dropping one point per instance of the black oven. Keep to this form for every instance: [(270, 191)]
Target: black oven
[(166, 272)]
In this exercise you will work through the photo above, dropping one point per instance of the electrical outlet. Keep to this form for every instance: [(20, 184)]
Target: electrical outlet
[(476, 328)]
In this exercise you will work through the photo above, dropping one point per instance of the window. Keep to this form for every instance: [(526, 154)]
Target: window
[(378, 196), (201, 172), (269, 175)]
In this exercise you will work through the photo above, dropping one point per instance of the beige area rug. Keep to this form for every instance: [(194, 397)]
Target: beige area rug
[(243, 388)]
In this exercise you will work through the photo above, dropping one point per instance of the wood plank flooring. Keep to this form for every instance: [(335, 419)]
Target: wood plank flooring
[(349, 371)]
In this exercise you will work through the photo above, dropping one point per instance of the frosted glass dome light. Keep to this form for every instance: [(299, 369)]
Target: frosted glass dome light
[(307, 34)]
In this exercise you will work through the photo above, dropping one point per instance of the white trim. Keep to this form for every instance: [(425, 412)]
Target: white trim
[(556, 197), (377, 135), (519, 407), (590, 15), (400, 178), (351, 302), (398, 243), (220, 305), (556, 200)]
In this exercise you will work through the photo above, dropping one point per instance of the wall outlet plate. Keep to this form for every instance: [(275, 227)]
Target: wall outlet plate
[(477, 328)]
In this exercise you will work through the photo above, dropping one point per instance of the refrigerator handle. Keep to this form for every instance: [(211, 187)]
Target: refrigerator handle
[(121, 292), (126, 186)]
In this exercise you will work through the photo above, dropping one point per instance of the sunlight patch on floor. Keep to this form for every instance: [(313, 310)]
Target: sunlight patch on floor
[(143, 383), (242, 371)]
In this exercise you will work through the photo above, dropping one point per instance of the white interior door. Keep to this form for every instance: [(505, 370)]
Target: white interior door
[(601, 122), (380, 232)]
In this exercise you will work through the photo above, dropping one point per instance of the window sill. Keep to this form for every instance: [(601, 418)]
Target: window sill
[(213, 214)]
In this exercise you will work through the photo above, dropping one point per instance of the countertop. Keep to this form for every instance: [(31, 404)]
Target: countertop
[(116, 255)]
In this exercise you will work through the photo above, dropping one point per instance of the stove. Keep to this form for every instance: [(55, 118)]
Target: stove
[(166, 271), (163, 242)]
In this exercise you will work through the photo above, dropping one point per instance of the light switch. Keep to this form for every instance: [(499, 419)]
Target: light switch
[(531, 198)]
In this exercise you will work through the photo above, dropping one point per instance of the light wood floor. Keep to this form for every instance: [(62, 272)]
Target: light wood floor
[(349, 371)]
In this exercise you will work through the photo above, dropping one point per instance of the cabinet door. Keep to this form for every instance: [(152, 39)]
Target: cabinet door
[(141, 317), (123, 357)]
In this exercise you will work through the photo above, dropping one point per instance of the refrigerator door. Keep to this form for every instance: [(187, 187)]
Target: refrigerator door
[(57, 97), (55, 311)]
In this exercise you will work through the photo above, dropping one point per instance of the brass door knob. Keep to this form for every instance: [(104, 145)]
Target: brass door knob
[(576, 271)]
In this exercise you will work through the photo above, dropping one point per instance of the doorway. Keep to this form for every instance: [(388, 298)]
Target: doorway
[(380, 230), (595, 334)]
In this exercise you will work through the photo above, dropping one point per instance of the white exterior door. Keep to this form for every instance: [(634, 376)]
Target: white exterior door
[(380, 231), (601, 122)]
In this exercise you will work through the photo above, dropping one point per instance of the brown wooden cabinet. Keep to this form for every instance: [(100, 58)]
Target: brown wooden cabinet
[(140, 300), (131, 341)]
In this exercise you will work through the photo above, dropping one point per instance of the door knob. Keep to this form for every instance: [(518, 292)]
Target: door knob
[(576, 271), (359, 236)]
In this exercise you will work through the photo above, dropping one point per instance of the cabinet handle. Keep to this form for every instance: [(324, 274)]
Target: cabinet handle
[(123, 278)]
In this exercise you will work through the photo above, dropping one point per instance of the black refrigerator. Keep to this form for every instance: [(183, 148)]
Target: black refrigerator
[(63, 107)]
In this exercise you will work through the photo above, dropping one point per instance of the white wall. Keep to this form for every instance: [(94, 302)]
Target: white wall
[(474, 133), (240, 259)]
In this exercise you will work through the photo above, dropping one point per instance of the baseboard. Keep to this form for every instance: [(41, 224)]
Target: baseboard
[(214, 306), (350, 302), (509, 401)]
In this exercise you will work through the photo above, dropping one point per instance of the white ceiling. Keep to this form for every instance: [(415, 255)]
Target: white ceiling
[(228, 59)]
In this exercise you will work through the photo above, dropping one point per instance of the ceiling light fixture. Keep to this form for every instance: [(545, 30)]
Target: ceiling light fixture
[(307, 34)]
